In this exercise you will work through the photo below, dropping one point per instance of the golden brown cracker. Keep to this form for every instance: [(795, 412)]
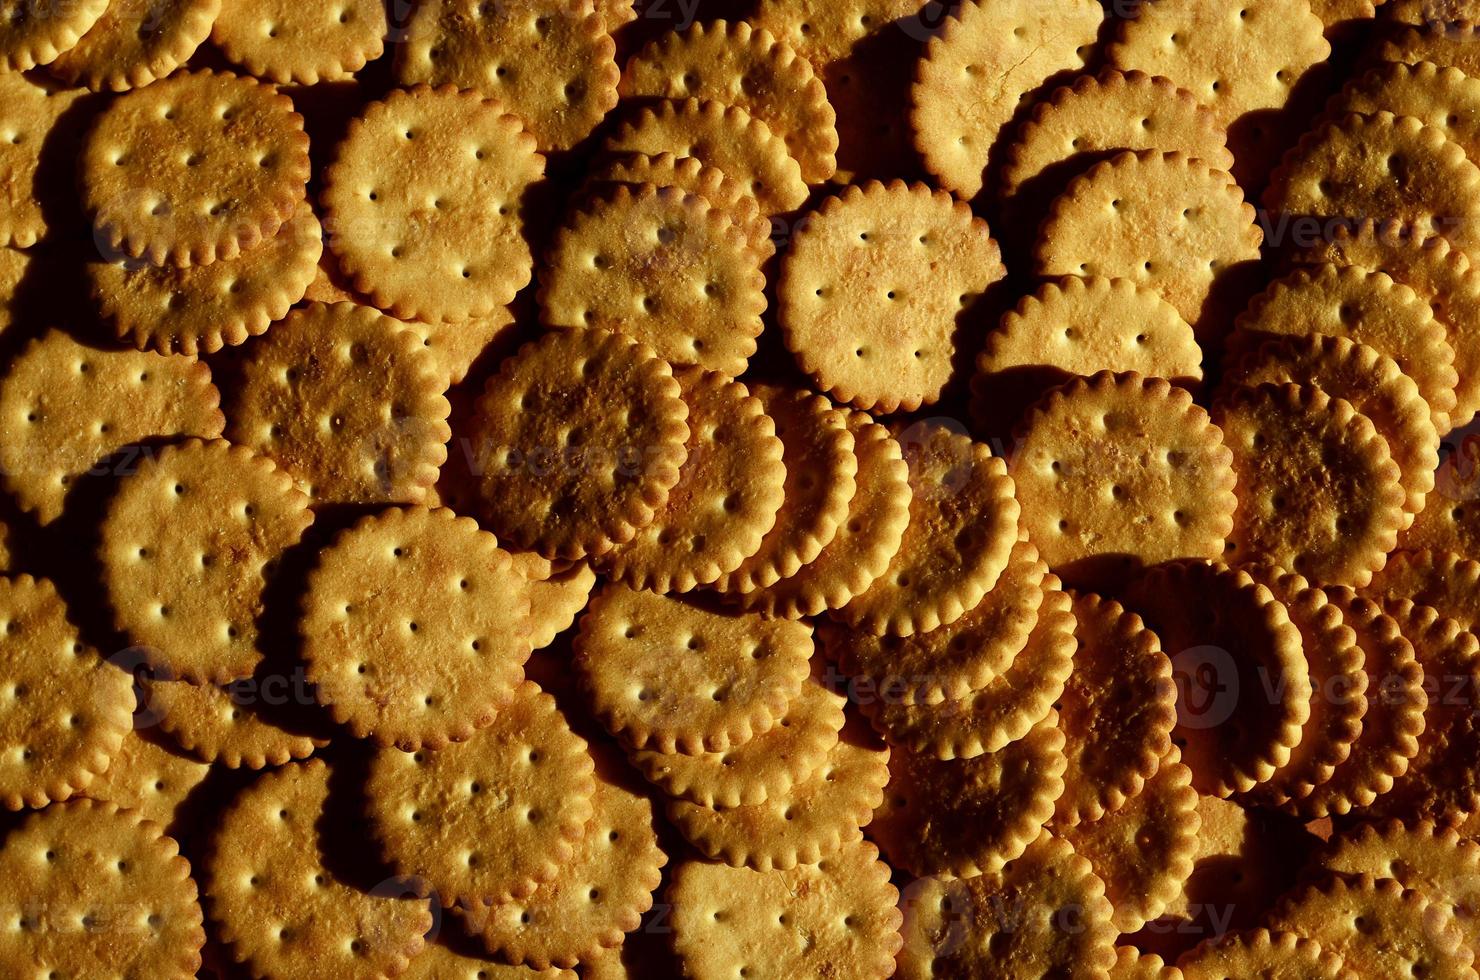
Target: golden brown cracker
[(150, 777), (1448, 582), (252, 723), (693, 176), (286, 41), (1275, 955), (38, 31), (136, 42), (33, 113), (557, 594), (1442, 41)]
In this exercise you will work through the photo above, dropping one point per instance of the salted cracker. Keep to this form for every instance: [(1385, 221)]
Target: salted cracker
[(1273, 954), (33, 114), (1448, 582), (250, 724), (149, 776), (136, 42), (306, 43), (37, 31)]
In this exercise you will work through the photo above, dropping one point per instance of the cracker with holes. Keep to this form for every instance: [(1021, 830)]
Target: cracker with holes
[(600, 894), (722, 136), (1395, 715), (1231, 644), (679, 676), (577, 442), (1002, 711), (67, 712), (833, 918), (151, 777), (415, 628), (137, 42), (273, 848), (821, 481), (286, 41), (1443, 98), (35, 120), (79, 869), (425, 204), (692, 176), (664, 267), (201, 308), (970, 817), (1390, 930), (1166, 221), (199, 167), (963, 523), (188, 542), (1371, 381), (1245, 61), (1364, 306), (557, 594), (69, 411), (1318, 490), (981, 70), (456, 347), (974, 926), (1117, 711), (1448, 582), (552, 65), (864, 544), (1339, 684), (1143, 851), (250, 723), (876, 287), (1259, 951), (950, 662), (738, 65), (806, 823), (1118, 471), (36, 32), (766, 766), (1076, 327), (728, 492), (347, 402), (1381, 166), (489, 820)]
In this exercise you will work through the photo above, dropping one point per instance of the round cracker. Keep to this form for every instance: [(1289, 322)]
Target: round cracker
[(187, 545), (1152, 483), (875, 288), (557, 594), (199, 167), (552, 65), (1243, 684), (425, 202), (1396, 705), (738, 65), (279, 900), (1143, 851), (1444, 98), (722, 136), (728, 492), (577, 442), (456, 346), (415, 628), (1367, 378), (288, 41), (491, 819), (198, 309), (864, 544), (600, 894), (664, 267), (970, 817), (1390, 930), (1440, 274), (980, 70), (150, 777), (1381, 166), (80, 869), (67, 407), (1318, 491), (834, 918), (1042, 914), (38, 31), (1243, 61), (963, 525), (136, 42), (692, 176), (348, 402), (1078, 327), (1113, 221), (1366, 307), (1260, 952), (1448, 582), (1117, 711), (1003, 711), (952, 662), (66, 711), (1442, 39), (767, 765), (244, 724), (34, 114), (679, 677), (821, 470), (1338, 688)]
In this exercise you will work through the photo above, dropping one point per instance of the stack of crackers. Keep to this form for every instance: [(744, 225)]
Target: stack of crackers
[(756, 488)]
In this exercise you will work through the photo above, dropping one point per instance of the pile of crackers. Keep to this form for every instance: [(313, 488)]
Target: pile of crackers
[(755, 488)]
